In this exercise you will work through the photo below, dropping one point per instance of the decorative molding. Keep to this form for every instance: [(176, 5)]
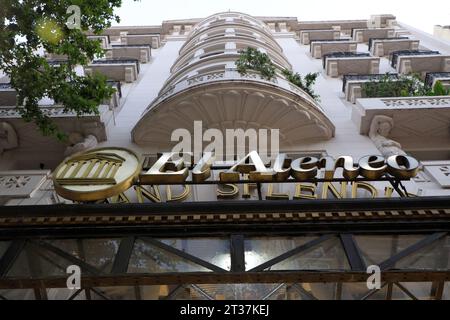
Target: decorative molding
[(419, 118), (21, 184), (425, 102), (251, 102), (439, 171), (208, 218)]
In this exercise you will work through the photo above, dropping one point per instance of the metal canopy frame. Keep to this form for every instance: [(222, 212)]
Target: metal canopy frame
[(95, 277), (435, 224)]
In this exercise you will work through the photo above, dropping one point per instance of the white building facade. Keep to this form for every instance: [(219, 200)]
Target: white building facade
[(311, 239)]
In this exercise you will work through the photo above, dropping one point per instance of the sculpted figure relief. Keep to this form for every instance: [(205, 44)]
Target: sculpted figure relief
[(79, 143), (8, 137), (379, 131)]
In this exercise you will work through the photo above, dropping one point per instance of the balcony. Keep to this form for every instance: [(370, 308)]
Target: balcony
[(55, 57), (319, 48), (345, 26), (115, 69), (105, 40), (306, 36), (382, 21), (352, 84), (419, 122), (227, 95), (342, 63), (8, 95), (153, 40), (386, 46), (56, 62), (420, 62), (364, 35), (137, 51), (443, 77)]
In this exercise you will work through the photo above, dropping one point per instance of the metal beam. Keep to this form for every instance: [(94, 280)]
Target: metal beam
[(83, 265), (425, 214), (440, 290), (273, 291), (389, 263), (302, 291), (188, 208), (352, 252), (227, 278), (184, 255), (237, 252), (174, 292), (123, 256), (291, 253), (10, 256), (202, 292), (405, 290), (100, 294)]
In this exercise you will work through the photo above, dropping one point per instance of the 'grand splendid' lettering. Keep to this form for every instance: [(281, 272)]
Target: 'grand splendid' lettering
[(167, 170)]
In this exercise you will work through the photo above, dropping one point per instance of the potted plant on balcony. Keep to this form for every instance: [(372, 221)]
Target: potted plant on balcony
[(253, 59), (403, 86)]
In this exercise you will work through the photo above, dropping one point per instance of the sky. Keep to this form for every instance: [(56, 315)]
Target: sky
[(421, 14)]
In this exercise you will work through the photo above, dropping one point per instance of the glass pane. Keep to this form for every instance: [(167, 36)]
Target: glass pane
[(233, 291), (99, 253), (435, 257), (17, 294), (312, 291), (4, 245), (215, 251), (398, 294), (328, 255), (113, 293), (421, 290), (260, 250), (185, 293), (359, 291), (446, 293), (377, 249), (147, 258), (65, 294), (155, 292), (379, 294), (37, 262)]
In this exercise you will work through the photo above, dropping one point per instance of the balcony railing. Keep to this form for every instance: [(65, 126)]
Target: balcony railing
[(396, 54), (330, 40), (118, 61), (431, 76), (53, 111), (371, 40), (342, 55), (230, 75), (5, 86), (131, 46), (366, 77), (322, 41), (56, 62)]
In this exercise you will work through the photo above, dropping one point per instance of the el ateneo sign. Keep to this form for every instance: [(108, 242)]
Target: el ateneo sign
[(108, 173)]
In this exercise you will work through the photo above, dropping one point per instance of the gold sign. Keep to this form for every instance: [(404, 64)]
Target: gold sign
[(167, 170), (107, 173), (97, 175)]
